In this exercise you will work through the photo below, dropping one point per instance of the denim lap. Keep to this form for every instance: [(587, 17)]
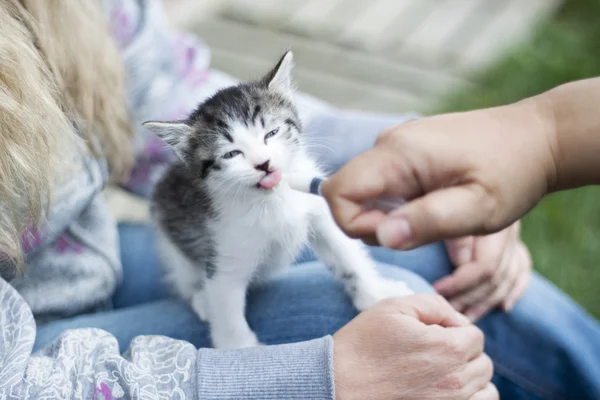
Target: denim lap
[(302, 304)]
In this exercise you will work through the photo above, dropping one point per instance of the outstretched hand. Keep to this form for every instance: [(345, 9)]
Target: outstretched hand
[(463, 174)]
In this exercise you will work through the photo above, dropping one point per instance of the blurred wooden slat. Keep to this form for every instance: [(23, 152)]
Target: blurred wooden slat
[(430, 37), (311, 19), (510, 26), (374, 72), (419, 48), (380, 20), (329, 87)]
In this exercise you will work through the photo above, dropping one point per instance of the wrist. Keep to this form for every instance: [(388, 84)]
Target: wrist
[(572, 126), (540, 109)]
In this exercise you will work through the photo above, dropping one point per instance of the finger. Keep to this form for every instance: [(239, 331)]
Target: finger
[(439, 215), (430, 309), (515, 293), (467, 341), (523, 281), (488, 251), (370, 240), (365, 223), (494, 299), (474, 297), (370, 175), (460, 250), (486, 288), (343, 190), (477, 374), (464, 278), (489, 393), (498, 255)]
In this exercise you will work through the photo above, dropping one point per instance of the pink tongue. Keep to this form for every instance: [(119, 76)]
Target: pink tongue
[(271, 180)]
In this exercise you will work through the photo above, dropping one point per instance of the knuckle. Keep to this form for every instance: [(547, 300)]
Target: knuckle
[(391, 302), (452, 382), (488, 274), (384, 136), (453, 348), (488, 365), (435, 338), (478, 337)]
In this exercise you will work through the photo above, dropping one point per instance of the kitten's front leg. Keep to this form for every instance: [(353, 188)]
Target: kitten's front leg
[(350, 262), (225, 298)]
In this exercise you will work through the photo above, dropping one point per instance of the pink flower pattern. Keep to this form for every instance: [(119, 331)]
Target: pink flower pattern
[(65, 244), (103, 393)]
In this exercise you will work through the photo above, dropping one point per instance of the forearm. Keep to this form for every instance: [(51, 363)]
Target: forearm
[(574, 129)]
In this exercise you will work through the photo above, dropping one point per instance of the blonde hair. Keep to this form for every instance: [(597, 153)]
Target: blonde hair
[(58, 66)]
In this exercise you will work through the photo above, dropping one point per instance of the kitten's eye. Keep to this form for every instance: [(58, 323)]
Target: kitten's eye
[(232, 154), (271, 134)]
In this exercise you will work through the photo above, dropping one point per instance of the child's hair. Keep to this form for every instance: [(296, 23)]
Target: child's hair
[(58, 67)]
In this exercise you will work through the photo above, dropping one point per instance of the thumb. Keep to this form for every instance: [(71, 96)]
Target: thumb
[(430, 309), (443, 214), (460, 250)]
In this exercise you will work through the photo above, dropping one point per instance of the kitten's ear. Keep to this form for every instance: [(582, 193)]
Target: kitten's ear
[(174, 134), (280, 77)]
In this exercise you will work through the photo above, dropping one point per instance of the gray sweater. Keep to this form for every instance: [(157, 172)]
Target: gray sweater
[(73, 263)]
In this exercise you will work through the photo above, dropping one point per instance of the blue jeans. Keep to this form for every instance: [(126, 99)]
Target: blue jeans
[(546, 348)]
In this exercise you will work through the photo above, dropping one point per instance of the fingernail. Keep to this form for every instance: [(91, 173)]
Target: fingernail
[(464, 255), (393, 232)]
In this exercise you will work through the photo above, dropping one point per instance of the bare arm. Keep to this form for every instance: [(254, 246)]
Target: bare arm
[(471, 173), (575, 122)]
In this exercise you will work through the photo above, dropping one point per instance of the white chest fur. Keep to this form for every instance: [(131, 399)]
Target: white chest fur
[(259, 238)]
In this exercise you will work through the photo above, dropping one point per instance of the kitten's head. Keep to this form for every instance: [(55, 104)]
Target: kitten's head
[(244, 135)]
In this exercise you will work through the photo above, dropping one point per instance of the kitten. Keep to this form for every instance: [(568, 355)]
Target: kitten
[(225, 217)]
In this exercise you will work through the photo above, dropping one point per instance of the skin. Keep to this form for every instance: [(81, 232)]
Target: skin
[(491, 271), (414, 347), (469, 177)]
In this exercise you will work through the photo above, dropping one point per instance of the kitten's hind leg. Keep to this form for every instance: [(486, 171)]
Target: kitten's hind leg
[(225, 310), (350, 263), (198, 304)]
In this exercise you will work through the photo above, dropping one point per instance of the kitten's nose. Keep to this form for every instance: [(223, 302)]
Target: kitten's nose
[(263, 167)]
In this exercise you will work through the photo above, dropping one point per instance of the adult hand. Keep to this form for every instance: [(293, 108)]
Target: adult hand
[(413, 347), (491, 271), (463, 174)]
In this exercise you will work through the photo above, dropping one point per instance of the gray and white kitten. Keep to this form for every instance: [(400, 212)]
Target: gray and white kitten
[(226, 218)]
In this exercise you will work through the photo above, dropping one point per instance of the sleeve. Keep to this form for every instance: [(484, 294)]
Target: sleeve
[(292, 371), (86, 364), (348, 133), (167, 74)]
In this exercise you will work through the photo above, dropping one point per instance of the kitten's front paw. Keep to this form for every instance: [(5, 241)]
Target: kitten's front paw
[(382, 288), (235, 341)]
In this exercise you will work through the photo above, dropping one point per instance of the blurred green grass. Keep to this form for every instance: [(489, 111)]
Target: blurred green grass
[(563, 231)]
